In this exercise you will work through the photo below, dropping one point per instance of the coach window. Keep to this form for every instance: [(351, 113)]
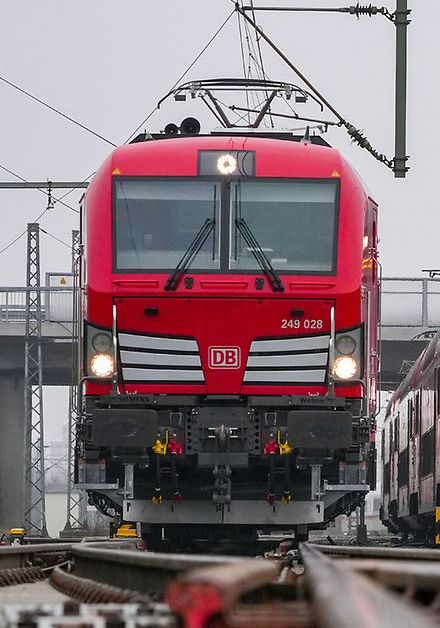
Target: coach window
[(155, 222), (294, 222), (417, 414), (437, 393)]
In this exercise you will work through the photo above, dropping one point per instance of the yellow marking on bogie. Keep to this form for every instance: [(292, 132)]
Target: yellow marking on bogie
[(284, 448), (160, 448), (17, 532), (437, 525), (126, 530)]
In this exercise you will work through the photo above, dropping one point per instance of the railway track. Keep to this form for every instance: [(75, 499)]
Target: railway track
[(110, 583)]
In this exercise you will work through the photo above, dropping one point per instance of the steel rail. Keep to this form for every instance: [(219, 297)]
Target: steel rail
[(396, 553), (401, 574), (88, 591), (13, 556), (145, 572), (343, 598), (25, 555)]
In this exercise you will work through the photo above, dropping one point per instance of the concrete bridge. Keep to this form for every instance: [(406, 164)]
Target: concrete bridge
[(410, 315), (56, 355)]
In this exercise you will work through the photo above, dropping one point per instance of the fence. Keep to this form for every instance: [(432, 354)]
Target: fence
[(406, 302), (410, 302), (56, 304)]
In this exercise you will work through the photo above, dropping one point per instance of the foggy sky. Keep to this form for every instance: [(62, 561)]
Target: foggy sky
[(107, 62)]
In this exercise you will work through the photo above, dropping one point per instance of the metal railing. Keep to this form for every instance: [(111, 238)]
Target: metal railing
[(56, 304), (410, 302), (406, 302)]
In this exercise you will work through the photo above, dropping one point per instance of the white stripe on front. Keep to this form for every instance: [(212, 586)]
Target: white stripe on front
[(159, 359), (290, 344), (158, 375), (302, 359), (291, 377), (162, 344)]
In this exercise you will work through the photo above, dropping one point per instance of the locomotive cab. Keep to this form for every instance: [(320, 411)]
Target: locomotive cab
[(229, 353)]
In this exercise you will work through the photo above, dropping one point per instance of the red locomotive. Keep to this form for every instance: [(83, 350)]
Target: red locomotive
[(229, 288)]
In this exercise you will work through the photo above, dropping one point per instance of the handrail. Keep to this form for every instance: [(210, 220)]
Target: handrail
[(56, 303), (421, 311)]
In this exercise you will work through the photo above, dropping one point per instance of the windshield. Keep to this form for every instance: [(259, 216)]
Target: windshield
[(156, 222), (293, 221)]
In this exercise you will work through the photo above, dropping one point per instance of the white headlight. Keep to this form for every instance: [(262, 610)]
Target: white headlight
[(345, 367), (226, 164), (102, 365)]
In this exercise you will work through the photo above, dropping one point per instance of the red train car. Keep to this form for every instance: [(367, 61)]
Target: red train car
[(229, 335), (410, 446)]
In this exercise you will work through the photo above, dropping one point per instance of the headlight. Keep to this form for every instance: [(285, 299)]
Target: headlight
[(226, 164), (101, 343), (102, 365), (345, 367), (346, 345)]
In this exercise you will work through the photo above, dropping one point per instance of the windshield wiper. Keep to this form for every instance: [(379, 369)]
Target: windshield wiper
[(190, 253), (261, 257)]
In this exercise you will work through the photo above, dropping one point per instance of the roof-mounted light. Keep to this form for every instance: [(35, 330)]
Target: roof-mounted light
[(226, 164), (230, 163)]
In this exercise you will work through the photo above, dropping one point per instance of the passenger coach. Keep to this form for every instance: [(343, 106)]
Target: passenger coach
[(410, 450)]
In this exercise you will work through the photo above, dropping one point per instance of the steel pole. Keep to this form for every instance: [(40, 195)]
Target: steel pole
[(35, 493), (38, 185), (401, 21), (76, 501)]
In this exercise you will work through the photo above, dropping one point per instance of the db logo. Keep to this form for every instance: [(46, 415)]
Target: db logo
[(224, 357)]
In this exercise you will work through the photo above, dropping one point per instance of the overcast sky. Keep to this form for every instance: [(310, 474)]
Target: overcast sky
[(107, 62)]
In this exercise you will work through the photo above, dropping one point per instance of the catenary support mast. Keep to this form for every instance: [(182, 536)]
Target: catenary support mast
[(76, 501), (401, 22), (35, 509)]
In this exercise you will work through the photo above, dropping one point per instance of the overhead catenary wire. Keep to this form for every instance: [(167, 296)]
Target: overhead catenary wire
[(214, 36), (240, 33), (55, 110), (51, 235), (357, 10), (251, 58), (357, 135), (255, 56), (76, 187), (56, 199), (260, 56), (54, 237), (59, 199), (191, 65), (88, 129), (217, 32), (23, 233)]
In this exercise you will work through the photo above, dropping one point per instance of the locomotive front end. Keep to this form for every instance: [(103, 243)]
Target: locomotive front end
[(229, 358)]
